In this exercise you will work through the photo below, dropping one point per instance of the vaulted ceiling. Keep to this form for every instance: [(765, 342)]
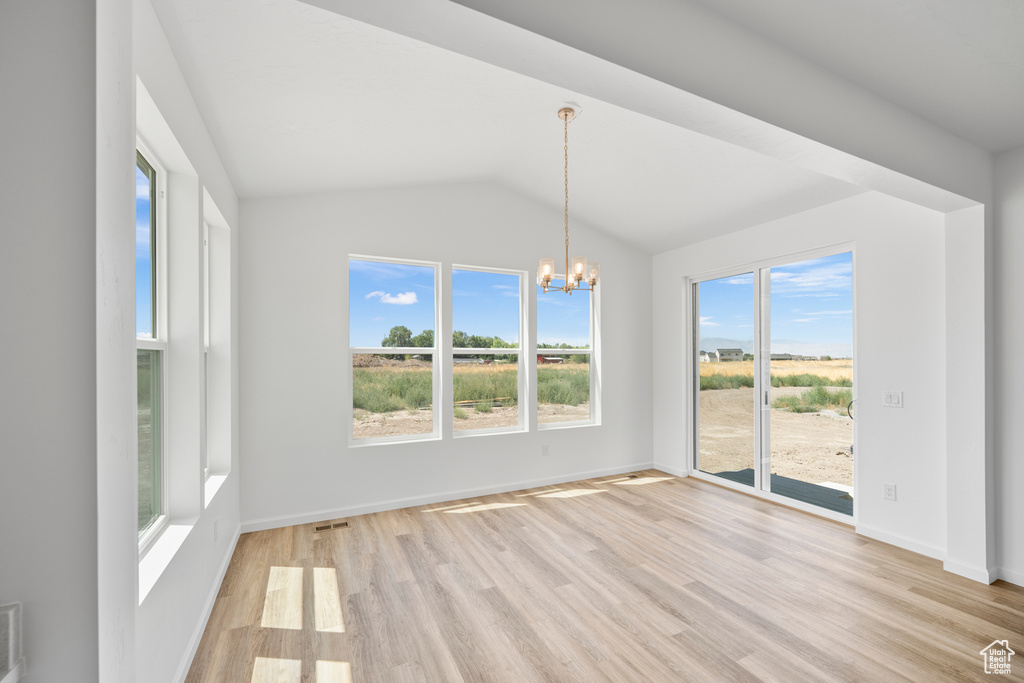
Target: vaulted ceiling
[(299, 99)]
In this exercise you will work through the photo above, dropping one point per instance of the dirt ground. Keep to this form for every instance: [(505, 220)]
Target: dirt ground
[(404, 422), (811, 447)]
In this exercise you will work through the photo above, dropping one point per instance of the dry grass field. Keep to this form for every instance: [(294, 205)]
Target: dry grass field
[(833, 369), (392, 398)]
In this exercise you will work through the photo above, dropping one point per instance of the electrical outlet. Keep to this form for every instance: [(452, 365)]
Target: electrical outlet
[(545, 450), (892, 399), (889, 492)]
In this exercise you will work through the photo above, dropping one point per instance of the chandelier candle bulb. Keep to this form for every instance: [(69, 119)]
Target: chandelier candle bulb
[(545, 271), (579, 267)]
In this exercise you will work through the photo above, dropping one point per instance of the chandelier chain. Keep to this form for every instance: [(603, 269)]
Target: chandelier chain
[(566, 149)]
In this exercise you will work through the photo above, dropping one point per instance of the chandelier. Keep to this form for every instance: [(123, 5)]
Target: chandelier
[(577, 273)]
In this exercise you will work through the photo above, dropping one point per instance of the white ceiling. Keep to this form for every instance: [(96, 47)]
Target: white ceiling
[(956, 63), (301, 100)]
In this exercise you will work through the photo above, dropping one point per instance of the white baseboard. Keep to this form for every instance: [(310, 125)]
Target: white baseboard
[(444, 497), (901, 542), (677, 471), (1011, 575), (970, 571), (211, 600)]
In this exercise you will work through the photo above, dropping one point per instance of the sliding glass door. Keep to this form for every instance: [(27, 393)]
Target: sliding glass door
[(773, 380), (726, 401)]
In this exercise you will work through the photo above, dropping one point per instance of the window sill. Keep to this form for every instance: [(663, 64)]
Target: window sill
[(151, 536), (160, 554), (470, 433), (566, 425), (212, 486), (393, 440)]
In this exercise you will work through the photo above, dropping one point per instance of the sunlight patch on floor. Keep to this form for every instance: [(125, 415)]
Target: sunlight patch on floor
[(450, 507), (570, 493), (533, 494), (271, 670), (282, 606), (640, 481), (480, 507), (333, 672), (327, 600)]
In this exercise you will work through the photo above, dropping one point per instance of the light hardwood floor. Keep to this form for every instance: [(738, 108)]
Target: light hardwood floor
[(652, 578)]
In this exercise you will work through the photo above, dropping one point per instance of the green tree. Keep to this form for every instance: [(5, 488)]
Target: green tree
[(399, 336), (424, 339)]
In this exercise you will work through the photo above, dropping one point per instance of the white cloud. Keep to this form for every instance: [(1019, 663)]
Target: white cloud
[(706, 322), (745, 279), (804, 320), (404, 299), (831, 313), (825, 279)]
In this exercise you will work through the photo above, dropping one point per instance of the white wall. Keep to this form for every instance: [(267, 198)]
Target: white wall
[(1009, 359), (171, 617), (53, 187), (900, 344), (294, 291)]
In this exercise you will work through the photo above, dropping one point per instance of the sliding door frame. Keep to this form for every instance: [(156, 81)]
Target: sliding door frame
[(762, 371)]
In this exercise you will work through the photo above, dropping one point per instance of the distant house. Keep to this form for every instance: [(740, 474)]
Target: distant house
[(728, 355), (544, 360), (705, 357)]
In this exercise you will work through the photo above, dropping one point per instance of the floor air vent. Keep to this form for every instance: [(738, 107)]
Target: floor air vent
[(632, 476), (327, 526)]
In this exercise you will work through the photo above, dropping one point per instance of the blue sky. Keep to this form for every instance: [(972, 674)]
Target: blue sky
[(563, 318), (143, 265), (486, 304), (811, 302), (383, 295)]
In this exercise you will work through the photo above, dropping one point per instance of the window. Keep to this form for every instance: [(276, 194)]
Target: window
[(566, 372), (487, 359), (151, 345), (393, 314)]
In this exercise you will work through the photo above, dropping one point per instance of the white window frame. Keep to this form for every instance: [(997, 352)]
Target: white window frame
[(158, 342), (521, 365), (434, 352), (593, 352), (205, 398)]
